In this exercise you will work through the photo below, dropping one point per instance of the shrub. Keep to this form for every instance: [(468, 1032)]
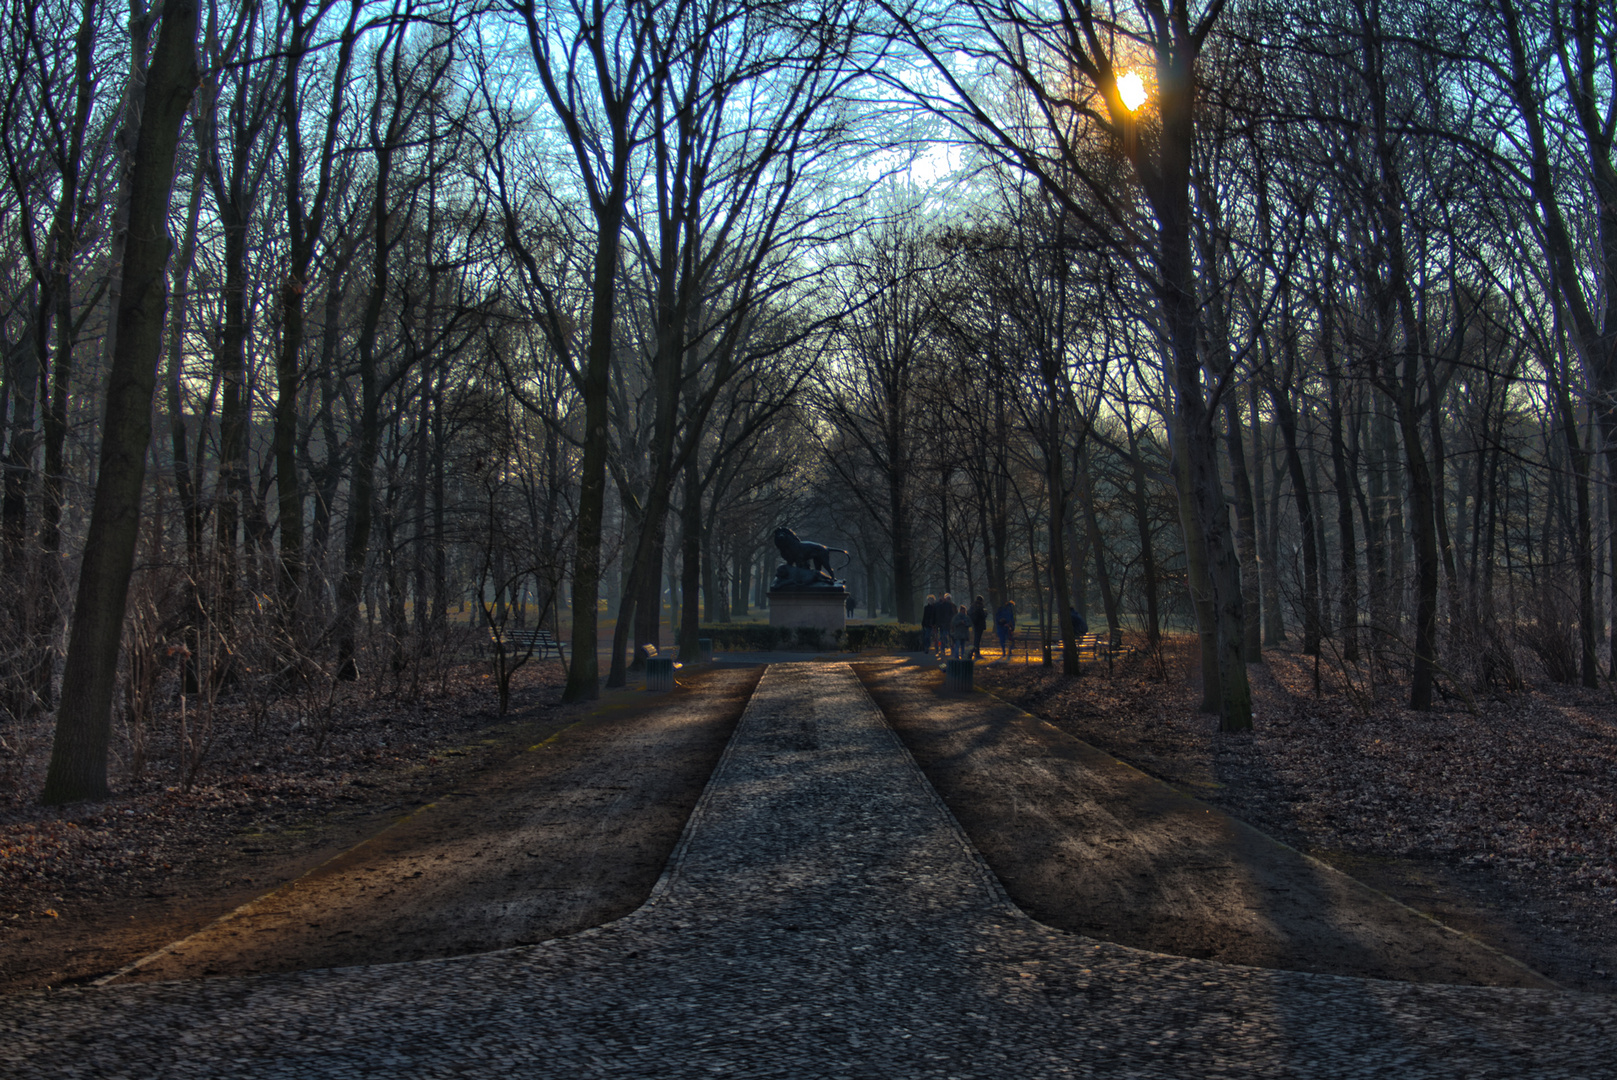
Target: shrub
[(758, 637), (1548, 626), (746, 637), (882, 636)]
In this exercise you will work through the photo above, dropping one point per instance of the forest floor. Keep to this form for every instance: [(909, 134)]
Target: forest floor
[(422, 824), (1497, 817), (392, 840)]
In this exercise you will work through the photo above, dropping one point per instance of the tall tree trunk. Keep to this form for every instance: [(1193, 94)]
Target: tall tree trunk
[(1203, 494), (903, 567), (1286, 418), (440, 481), (23, 368), (1346, 539), (362, 469), (690, 566), (1584, 550), (1055, 480), (1274, 623), (303, 226), (174, 387), (330, 473), (25, 607), (1149, 574), (231, 361), (1097, 544), (1198, 577), (712, 596), (421, 444), (999, 531), (288, 489), (78, 766), (1422, 507), (583, 677), (1246, 539), (1321, 537)]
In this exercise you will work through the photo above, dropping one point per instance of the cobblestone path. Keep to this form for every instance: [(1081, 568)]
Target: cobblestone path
[(823, 917)]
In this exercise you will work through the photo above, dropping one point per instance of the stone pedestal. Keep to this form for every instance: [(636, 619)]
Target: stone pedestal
[(824, 609)]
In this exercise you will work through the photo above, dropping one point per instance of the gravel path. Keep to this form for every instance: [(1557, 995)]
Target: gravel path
[(823, 917)]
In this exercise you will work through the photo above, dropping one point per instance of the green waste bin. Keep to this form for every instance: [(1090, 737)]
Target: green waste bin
[(660, 673)]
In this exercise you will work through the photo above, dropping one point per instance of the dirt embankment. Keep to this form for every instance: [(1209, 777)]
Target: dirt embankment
[(1496, 814), (565, 822), (1088, 844)]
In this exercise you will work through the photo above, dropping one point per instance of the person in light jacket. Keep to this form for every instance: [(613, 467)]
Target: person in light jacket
[(959, 634)]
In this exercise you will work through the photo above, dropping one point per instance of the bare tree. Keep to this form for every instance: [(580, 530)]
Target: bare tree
[(1051, 133), (78, 768), (871, 394), (592, 61)]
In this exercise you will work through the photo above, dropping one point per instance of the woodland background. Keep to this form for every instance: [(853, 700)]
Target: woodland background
[(338, 333)]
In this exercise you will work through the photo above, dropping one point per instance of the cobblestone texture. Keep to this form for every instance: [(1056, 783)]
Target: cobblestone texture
[(823, 917)]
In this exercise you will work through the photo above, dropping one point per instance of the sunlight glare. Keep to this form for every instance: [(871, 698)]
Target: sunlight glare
[(1132, 91)]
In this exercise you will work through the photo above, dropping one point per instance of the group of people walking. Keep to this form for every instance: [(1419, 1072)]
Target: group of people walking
[(947, 627)]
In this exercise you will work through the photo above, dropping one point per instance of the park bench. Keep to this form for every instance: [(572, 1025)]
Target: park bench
[(1094, 647), (1099, 647), (540, 642)]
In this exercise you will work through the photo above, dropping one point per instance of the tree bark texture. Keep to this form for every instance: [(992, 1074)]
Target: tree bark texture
[(78, 767)]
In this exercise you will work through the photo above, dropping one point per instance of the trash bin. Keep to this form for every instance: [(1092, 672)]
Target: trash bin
[(660, 673), (704, 649), (957, 675)]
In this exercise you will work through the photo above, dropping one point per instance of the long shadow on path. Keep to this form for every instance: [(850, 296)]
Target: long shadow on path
[(1086, 843)]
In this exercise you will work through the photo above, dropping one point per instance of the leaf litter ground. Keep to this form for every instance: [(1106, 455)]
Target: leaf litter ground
[(1499, 817)]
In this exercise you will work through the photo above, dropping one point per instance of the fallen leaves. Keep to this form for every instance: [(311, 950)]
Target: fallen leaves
[(1525, 787), (153, 833)]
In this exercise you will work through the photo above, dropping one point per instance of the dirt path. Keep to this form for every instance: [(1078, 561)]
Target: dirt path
[(550, 836), (1088, 844)]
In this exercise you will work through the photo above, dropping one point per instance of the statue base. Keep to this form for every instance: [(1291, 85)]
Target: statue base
[(823, 609)]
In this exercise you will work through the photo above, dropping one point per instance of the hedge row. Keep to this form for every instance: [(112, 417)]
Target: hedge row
[(899, 636), (759, 637), (747, 637)]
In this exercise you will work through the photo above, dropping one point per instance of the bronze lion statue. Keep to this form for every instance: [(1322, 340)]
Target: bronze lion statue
[(804, 554)]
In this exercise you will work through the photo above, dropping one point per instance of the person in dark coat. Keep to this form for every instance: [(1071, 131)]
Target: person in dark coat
[(929, 621), (1005, 626), (1080, 625), (979, 623), (941, 620)]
